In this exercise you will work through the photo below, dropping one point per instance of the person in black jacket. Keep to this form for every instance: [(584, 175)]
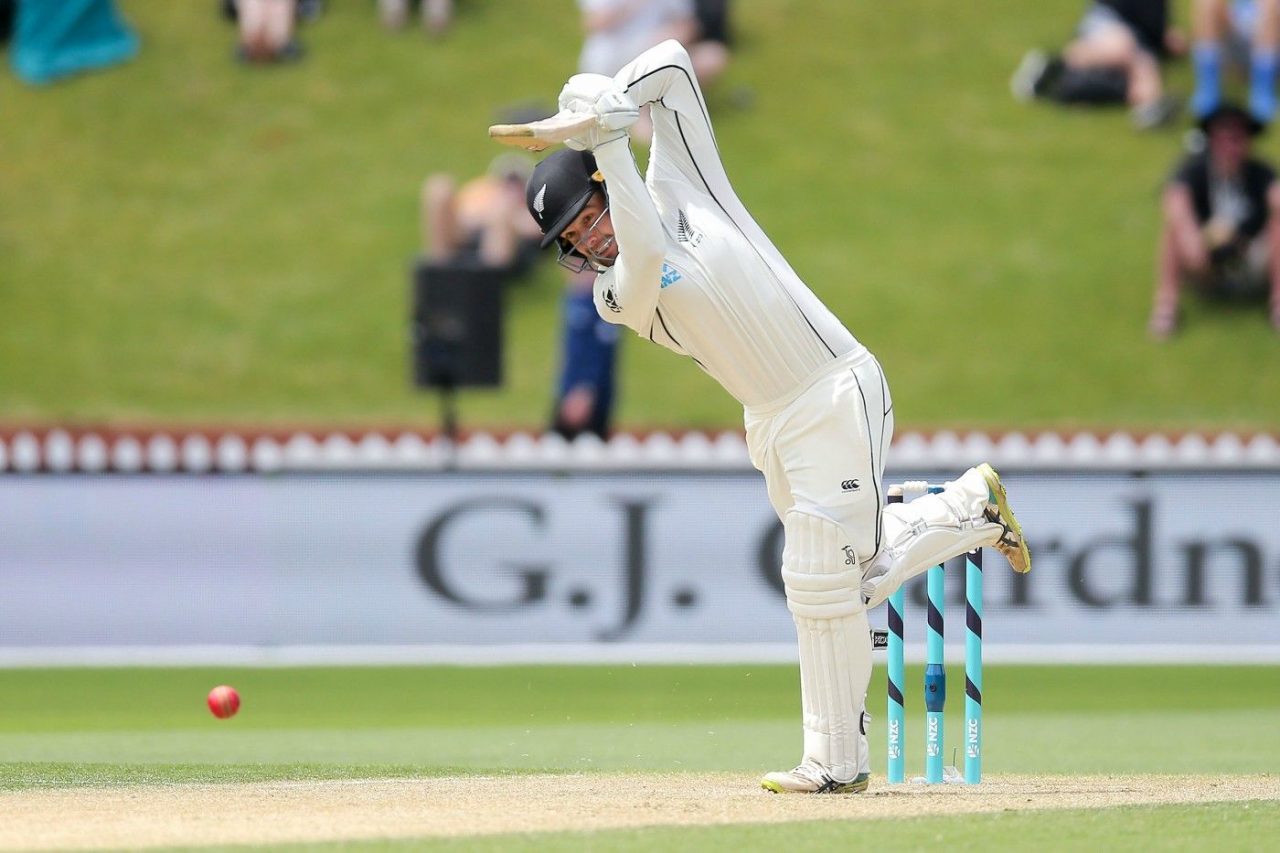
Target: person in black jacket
[(1221, 231)]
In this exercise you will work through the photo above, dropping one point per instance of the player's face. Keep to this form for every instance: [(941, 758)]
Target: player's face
[(591, 233)]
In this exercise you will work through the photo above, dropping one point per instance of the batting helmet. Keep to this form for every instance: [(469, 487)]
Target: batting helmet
[(561, 185)]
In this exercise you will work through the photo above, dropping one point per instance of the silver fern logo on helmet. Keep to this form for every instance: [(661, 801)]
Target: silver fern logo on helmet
[(538, 201)]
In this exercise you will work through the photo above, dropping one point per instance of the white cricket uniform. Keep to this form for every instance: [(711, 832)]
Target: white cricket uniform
[(695, 273)]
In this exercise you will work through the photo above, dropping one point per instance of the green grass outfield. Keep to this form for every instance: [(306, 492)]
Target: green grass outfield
[(185, 239), (67, 728), (1227, 827)]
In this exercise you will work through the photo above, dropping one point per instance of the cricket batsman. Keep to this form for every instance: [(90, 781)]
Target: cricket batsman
[(681, 261)]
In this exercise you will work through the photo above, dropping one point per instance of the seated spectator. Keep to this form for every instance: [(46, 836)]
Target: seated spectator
[(266, 29), (1244, 32), (1221, 232), (483, 221), (584, 401), (1114, 59), (437, 15)]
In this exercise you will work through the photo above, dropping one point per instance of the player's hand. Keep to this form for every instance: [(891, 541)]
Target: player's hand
[(596, 93), (594, 138), (616, 109), (582, 91)]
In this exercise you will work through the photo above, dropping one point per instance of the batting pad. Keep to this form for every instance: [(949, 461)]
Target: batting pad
[(926, 531), (823, 581)]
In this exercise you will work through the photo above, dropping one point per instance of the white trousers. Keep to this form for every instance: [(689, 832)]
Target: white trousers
[(822, 454), (824, 450)]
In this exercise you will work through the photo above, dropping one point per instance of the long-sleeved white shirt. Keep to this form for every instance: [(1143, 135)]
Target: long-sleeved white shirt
[(694, 271)]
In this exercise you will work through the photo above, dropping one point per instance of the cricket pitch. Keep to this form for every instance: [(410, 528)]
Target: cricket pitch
[(338, 810)]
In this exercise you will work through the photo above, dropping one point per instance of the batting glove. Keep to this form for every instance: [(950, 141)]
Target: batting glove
[(594, 138), (616, 109), (581, 91), (596, 93)]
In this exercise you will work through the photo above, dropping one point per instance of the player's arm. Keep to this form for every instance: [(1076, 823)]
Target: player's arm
[(684, 145), (635, 279)]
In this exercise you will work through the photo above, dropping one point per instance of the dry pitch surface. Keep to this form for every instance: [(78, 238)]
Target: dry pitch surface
[(141, 816)]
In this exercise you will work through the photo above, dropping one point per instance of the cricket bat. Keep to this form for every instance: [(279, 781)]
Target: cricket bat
[(541, 134)]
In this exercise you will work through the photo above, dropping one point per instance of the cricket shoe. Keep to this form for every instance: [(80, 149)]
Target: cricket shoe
[(810, 777), (1011, 544)]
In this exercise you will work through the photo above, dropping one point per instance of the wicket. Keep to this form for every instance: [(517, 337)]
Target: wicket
[(935, 684)]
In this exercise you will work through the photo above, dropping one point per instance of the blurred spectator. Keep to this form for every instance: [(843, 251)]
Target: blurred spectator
[(619, 30), (1221, 232), (436, 15), (483, 221), (588, 351), (486, 222), (266, 29), (53, 39), (1245, 33), (1114, 59), (709, 45)]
